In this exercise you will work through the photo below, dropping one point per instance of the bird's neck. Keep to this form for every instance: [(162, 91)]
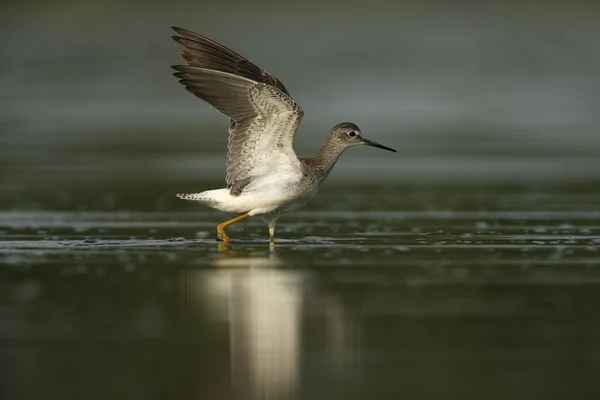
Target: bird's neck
[(326, 158)]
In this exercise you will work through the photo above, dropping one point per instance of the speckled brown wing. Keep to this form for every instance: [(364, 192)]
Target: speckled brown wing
[(263, 116)]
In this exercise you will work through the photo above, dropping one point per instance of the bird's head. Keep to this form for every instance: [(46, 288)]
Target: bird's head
[(348, 134)]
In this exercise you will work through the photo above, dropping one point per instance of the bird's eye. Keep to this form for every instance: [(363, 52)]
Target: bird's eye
[(352, 133)]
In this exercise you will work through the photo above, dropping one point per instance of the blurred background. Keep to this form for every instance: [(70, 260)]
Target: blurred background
[(466, 264), (468, 91)]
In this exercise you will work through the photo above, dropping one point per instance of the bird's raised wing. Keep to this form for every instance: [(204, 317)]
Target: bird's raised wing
[(263, 116), (264, 121)]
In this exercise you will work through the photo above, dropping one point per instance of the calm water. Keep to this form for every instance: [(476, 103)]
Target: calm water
[(477, 293), (465, 266)]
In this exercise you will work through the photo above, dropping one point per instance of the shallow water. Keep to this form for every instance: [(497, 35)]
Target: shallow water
[(351, 302), (467, 265)]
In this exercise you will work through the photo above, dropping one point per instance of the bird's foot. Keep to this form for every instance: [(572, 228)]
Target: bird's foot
[(221, 235)]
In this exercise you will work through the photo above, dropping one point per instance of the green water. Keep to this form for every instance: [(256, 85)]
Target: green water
[(473, 290), (467, 265)]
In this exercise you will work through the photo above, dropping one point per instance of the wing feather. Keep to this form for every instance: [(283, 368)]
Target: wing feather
[(263, 116), (203, 52)]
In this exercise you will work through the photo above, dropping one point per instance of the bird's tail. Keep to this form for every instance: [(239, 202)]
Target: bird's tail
[(217, 198), (202, 196)]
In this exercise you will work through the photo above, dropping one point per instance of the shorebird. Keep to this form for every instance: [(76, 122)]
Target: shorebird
[(264, 175)]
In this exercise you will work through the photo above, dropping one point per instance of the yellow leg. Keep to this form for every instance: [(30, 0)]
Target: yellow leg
[(271, 222), (220, 228), (271, 234)]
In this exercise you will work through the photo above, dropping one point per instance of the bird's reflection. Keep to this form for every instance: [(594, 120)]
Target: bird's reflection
[(265, 306), (265, 329)]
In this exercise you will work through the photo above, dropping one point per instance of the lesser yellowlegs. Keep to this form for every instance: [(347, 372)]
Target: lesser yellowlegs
[(264, 175)]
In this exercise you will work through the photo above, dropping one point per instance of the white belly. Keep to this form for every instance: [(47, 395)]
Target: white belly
[(262, 196)]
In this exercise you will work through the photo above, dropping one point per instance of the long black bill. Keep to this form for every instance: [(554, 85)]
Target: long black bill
[(375, 144)]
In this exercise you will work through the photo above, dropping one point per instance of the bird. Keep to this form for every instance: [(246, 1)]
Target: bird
[(264, 176)]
